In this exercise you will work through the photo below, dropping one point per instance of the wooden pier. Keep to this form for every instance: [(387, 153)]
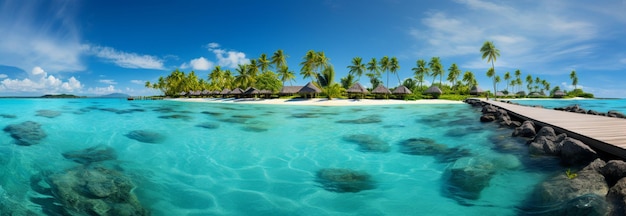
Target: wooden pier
[(600, 132)]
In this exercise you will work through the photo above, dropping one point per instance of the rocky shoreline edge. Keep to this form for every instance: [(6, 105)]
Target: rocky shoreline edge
[(597, 186)]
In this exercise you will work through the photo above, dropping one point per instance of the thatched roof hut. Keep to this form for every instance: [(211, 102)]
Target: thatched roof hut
[(499, 94), (402, 90), (182, 93), (236, 91), (252, 91), (434, 91), (380, 89), (225, 91), (476, 90), (289, 90), (357, 88), (521, 93), (206, 92), (559, 94), (309, 88)]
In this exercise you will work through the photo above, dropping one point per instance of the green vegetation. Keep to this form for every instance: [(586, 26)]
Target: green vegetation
[(273, 73), (61, 96), (570, 174)]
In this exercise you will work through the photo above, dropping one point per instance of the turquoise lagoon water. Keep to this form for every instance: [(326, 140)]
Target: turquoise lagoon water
[(263, 160), (600, 105)]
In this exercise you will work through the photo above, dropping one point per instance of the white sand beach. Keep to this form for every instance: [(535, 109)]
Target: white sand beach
[(315, 101)]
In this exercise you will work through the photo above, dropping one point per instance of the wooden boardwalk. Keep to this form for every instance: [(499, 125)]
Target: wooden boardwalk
[(604, 133)]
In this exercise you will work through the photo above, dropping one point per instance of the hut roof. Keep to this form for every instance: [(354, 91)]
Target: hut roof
[(215, 92), (357, 88), (499, 93), (309, 88), (182, 93), (402, 90), (476, 90), (433, 90), (252, 90), (559, 93), (380, 89), (290, 89), (522, 93), (206, 92), (265, 91), (225, 91), (236, 91)]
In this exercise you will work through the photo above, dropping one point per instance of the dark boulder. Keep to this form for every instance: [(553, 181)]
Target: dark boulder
[(422, 146), (468, 176), (26, 133), (592, 112), (597, 166), (368, 143), (488, 117), (561, 188), (344, 180), (616, 114), (146, 136), (527, 129), (575, 152), (91, 154), (617, 197), (614, 170), (546, 142)]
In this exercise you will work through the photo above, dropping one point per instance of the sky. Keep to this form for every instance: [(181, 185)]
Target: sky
[(101, 47)]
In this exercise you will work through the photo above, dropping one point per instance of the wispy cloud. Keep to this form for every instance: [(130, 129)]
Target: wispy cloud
[(138, 82), (2, 76), (126, 59), (102, 90), (108, 81)]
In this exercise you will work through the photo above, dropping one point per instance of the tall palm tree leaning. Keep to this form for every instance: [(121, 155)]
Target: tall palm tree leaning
[(491, 53), (394, 66), (420, 71), (574, 78), (279, 59), (384, 66), (436, 69)]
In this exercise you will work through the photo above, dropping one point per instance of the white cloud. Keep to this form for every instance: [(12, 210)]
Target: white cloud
[(213, 45), (102, 90), (569, 86), (2, 76), (198, 64), (125, 59), (108, 81), (39, 81), (138, 82), (228, 58)]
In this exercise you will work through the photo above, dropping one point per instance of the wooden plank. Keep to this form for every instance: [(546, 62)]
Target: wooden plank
[(600, 132)]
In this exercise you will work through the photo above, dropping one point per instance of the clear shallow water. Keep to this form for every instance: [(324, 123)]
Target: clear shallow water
[(600, 105), (263, 160)]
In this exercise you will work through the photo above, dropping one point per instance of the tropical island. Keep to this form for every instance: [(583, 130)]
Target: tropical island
[(266, 77)]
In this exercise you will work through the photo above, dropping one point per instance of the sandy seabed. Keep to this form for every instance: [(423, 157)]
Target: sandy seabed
[(316, 101)]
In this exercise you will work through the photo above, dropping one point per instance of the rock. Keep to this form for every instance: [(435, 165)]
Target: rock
[(527, 129), (48, 113), (592, 112), (368, 143), (344, 180), (176, 116), (8, 116), (91, 154), (26, 133), (489, 117), (452, 154), (585, 205), (422, 146), (575, 152), (94, 190), (560, 188), (468, 176), (146, 136), (366, 120), (597, 166), (616, 114), (614, 170), (617, 197)]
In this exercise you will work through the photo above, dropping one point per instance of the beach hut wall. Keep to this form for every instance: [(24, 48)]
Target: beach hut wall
[(357, 88), (287, 90), (476, 90), (380, 89), (309, 88), (402, 90)]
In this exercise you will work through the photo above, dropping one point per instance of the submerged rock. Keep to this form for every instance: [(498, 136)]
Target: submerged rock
[(368, 143), (422, 146), (254, 128), (212, 113), (86, 190), (305, 115), (365, 120), (561, 188), (468, 176), (344, 180), (26, 133), (92, 154), (48, 113), (176, 116), (8, 116), (208, 125), (146, 136), (613, 171), (617, 197)]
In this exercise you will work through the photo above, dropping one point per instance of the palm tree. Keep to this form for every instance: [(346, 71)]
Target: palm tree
[(574, 78), (537, 83), (285, 74), (384, 66), (244, 77), (372, 66), (326, 77), (308, 65), (394, 66), (529, 82), (279, 59), (253, 68), (216, 77), (321, 62), (518, 82), (263, 62), (436, 69), (507, 77), (490, 52), (347, 81), (420, 71), (357, 68), (453, 74), (491, 73), (469, 79), (497, 80)]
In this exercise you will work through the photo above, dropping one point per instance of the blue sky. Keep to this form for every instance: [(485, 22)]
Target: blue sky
[(101, 47)]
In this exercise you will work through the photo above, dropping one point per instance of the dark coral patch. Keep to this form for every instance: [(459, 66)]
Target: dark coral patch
[(344, 180)]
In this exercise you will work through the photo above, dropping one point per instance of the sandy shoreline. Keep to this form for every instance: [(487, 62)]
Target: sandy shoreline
[(316, 101)]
